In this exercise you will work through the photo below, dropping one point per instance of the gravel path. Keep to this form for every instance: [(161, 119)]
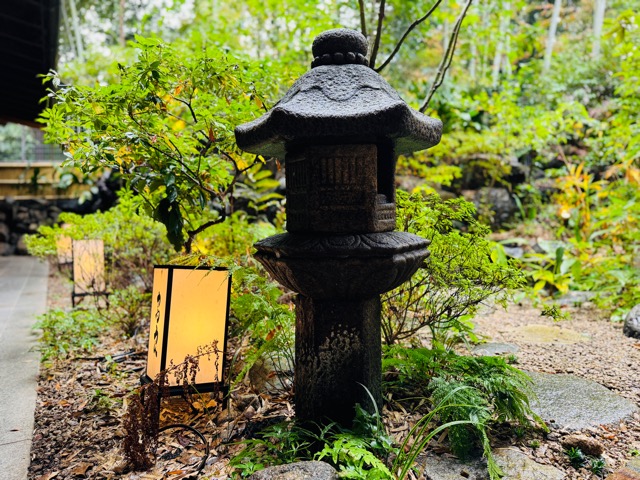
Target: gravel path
[(603, 355)]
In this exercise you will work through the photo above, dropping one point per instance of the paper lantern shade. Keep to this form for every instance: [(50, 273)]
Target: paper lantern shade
[(190, 308), (88, 268), (65, 250)]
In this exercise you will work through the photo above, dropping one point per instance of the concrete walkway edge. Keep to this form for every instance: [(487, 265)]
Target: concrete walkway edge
[(23, 296)]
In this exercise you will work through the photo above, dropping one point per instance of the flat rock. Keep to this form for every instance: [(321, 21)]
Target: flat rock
[(575, 298), (631, 471), (492, 349), (573, 403), (534, 333), (514, 464), (297, 471)]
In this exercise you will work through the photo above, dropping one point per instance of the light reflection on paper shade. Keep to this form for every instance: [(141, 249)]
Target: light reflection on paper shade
[(64, 250), (189, 309), (88, 267)]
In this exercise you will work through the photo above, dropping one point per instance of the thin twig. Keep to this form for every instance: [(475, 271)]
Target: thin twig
[(448, 56), (192, 233), (363, 18), (406, 34), (376, 42), (188, 104)]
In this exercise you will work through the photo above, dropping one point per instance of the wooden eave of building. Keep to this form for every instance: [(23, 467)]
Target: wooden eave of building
[(28, 47)]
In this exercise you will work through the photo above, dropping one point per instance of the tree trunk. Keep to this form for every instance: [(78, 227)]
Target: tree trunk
[(505, 17), (598, 20), (121, 23), (66, 26), (76, 29), (551, 39)]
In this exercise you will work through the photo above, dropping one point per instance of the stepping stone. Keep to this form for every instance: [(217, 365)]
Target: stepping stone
[(548, 334), (492, 349), (514, 464), (573, 403), (631, 471), (297, 471), (575, 299)]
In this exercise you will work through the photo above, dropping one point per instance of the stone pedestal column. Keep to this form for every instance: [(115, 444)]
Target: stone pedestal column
[(338, 357)]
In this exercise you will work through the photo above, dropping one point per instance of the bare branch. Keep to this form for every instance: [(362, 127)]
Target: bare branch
[(448, 56), (376, 42), (363, 18), (188, 104), (406, 34), (192, 233)]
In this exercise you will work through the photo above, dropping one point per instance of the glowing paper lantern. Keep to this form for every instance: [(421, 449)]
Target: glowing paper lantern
[(65, 250), (190, 308), (88, 269)]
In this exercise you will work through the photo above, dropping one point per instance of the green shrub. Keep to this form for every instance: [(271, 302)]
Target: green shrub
[(132, 243), (67, 332), (463, 270), (129, 309), (479, 392)]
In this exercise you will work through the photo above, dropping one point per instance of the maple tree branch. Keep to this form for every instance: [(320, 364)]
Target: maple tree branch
[(406, 34), (376, 42), (448, 57)]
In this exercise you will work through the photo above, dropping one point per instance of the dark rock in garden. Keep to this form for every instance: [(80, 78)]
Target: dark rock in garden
[(575, 299), (519, 172), (573, 403), (21, 246), (588, 445), (495, 348), (500, 201), (632, 323), (298, 471), (546, 186), (5, 248), (4, 232)]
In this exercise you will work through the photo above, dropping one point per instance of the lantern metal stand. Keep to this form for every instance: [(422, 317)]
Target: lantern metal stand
[(339, 129)]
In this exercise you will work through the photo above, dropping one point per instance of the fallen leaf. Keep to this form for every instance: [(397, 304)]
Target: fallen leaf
[(81, 468), (47, 476)]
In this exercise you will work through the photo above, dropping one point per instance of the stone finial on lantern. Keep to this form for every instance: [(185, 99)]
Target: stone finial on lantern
[(339, 129)]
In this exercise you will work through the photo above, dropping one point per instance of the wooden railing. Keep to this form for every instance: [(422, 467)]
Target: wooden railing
[(24, 180)]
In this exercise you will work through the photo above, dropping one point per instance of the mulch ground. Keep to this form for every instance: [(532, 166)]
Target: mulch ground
[(81, 402)]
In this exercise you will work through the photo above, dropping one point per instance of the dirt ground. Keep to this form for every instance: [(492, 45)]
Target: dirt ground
[(81, 401)]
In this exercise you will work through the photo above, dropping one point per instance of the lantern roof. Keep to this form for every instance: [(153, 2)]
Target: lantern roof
[(340, 100)]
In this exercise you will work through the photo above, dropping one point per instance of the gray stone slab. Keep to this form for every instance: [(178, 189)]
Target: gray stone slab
[(533, 333), (297, 471), (23, 294), (514, 464), (573, 403), (493, 349)]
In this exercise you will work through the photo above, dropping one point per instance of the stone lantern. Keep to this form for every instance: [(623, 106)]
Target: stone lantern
[(339, 130)]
